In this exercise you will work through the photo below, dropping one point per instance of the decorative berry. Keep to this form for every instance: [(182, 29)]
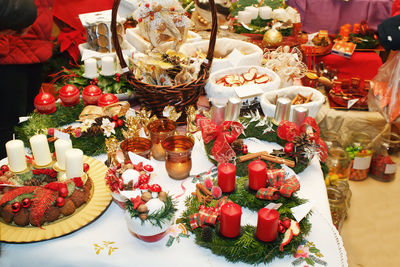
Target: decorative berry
[(144, 179), (1, 173), (115, 124), (86, 167), (63, 191), (118, 75), (245, 150), (115, 117), (289, 148), (26, 202), (147, 5), (172, 8), (208, 183), (148, 168), (286, 223), (120, 122), (155, 188), (77, 132), (15, 207), (144, 187), (60, 201), (281, 228), (50, 131), (216, 192), (140, 19), (4, 168)]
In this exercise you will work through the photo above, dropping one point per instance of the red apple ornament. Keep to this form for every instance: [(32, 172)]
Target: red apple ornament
[(91, 94), (69, 95), (45, 103), (107, 99)]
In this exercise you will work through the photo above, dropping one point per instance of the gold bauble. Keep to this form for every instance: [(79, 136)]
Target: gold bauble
[(272, 38)]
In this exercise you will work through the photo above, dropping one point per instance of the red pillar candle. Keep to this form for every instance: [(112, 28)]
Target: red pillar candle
[(257, 174), (267, 224), (227, 177), (230, 220)]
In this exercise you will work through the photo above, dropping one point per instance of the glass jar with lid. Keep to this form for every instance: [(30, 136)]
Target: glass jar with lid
[(383, 168), (337, 204), (360, 154)]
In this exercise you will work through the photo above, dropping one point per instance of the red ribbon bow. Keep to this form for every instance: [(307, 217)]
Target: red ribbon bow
[(278, 185), (223, 135), (207, 215)]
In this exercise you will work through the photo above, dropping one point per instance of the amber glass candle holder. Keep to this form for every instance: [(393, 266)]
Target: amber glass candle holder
[(178, 161), (138, 145), (159, 130)]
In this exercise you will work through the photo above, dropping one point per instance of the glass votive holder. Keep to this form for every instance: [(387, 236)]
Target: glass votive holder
[(159, 130), (138, 145), (178, 161)]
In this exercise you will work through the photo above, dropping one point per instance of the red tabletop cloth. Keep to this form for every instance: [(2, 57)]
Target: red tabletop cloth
[(363, 65)]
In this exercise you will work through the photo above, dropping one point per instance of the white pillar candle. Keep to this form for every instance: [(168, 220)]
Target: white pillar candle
[(74, 163), (61, 146), (107, 66), (252, 10), (280, 14), (90, 68), (40, 149), (265, 12), (16, 155), (244, 16)]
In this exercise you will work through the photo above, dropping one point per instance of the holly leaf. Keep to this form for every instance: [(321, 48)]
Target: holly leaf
[(310, 261), (314, 250)]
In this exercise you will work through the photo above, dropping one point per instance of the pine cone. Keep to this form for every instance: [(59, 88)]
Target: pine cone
[(237, 145), (94, 130), (33, 182), (207, 234)]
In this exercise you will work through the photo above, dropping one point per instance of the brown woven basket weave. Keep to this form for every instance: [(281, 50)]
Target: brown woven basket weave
[(156, 97)]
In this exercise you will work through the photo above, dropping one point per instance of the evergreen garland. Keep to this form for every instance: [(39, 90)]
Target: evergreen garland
[(157, 218), (246, 248), (40, 123)]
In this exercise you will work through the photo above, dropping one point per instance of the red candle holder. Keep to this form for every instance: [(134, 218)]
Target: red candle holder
[(267, 224), (91, 95), (227, 177), (107, 99), (159, 130), (257, 174), (69, 95), (45, 103), (138, 145), (178, 161), (231, 214)]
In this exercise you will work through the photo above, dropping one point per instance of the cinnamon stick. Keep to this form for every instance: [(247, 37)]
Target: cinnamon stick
[(295, 99), (308, 98), (250, 156), (278, 160), (203, 189)]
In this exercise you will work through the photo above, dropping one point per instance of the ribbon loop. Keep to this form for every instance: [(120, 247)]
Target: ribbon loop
[(208, 215), (278, 185)]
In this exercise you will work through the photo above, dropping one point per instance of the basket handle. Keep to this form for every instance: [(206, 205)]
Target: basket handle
[(211, 46)]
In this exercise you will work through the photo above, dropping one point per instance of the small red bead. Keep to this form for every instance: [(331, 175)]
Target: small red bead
[(60, 201), (120, 122), (147, 5), (86, 167), (26, 202), (115, 117), (140, 19), (15, 207)]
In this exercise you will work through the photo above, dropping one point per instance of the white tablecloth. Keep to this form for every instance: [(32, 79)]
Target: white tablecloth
[(78, 248)]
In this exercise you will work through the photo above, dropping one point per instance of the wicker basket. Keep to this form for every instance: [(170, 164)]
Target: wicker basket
[(156, 97)]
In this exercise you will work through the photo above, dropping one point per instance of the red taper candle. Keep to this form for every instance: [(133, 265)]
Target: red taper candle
[(230, 220), (227, 177), (267, 224), (257, 174)]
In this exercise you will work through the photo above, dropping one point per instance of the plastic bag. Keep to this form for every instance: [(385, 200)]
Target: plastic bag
[(384, 95)]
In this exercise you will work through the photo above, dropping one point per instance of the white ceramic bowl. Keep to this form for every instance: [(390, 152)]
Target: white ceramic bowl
[(214, 90), (250, 54), (268, 98)]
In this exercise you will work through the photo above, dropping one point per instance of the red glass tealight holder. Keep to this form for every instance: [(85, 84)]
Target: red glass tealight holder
[(45, 103), (267, 224), (178, 161), (138, 145), (69, 95), (227, 177), (159, 130), (231, 214), (107, 99), (91, 94)]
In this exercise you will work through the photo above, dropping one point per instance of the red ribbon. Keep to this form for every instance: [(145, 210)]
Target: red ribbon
[(278, 185), (207, 215), (223, 135)]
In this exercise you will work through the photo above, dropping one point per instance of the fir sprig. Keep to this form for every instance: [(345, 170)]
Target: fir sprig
[(158, 218)]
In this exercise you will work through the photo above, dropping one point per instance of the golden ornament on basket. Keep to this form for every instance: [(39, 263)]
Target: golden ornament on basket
[(272, 38)]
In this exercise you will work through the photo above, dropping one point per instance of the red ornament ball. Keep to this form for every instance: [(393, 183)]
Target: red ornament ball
[(107, 99), (91, 95), (63, 191), (120, 122), (144, 179), (15, 207), (245, 150), (155, 188), (147, 5), (50, 131), (26, 202), (4, 168), (60, 201), (289, 148), (77, 133), (45, 103), (148, 168), (286, 223), (86, 167), (69, 95), (115, 117)]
